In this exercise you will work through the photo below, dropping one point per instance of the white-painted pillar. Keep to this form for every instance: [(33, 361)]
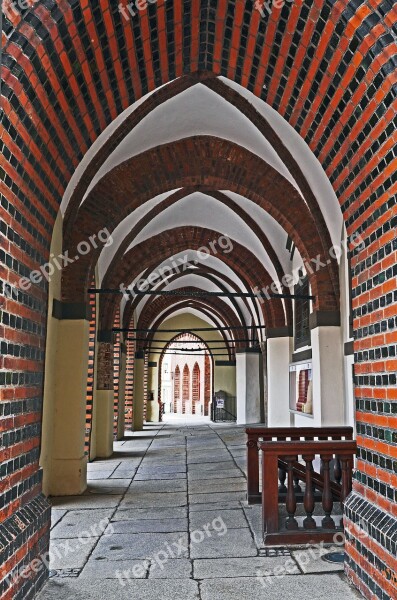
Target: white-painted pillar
[(328, 381), (249, 385), (153, 409), (278, 352), (139, 392)]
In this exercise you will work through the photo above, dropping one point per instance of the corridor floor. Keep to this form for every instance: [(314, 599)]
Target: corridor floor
[(165, 517)]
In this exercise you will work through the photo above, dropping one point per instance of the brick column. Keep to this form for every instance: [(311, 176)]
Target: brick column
[(139, 391), (121, 398), (104, 396)]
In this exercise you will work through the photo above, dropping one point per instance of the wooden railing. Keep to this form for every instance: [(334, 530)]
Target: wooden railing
[(260, 433), (292, 462)]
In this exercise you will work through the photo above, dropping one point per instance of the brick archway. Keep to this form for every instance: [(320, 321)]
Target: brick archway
[(206, 272), (164, 306), (216, 163), (154, 251)]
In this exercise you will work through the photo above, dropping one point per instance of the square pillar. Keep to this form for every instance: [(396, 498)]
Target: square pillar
[(65, 458), (249, 384), (328, 377), (278, 355)]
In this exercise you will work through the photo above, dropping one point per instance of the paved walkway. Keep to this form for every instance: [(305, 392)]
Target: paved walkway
[(165, 517)]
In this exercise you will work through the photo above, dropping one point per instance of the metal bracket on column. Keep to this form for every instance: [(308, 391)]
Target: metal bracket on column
[(322, 318), (72, 311), (105, 336)]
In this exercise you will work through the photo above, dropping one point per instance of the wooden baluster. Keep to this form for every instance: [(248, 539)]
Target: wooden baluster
[(297, 487), (327, 522), (282, 476), (290, 501), (346, 478), (253, 494), (337, 471), (346, 465), (308, 502)]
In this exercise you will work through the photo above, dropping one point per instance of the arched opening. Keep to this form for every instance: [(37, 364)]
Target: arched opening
[(197, 406), (185, 354), (186, 391), (177, 389)]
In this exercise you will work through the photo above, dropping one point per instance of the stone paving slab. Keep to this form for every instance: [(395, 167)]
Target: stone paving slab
[(207, 475), (173, 569), (162, 469), (239, 567), (227, 505), (212, 466), (76, 523), (107, 486), (224, 485), (290, 587), (71, 554), (103, 465), (124, 472), (233, 519), (143, 545), (175, 512), (108, 569), (137, 589), (235, 543), (102, 474), (56, 516), (310, 561), (218, 497), (149, 526), (254, 517), (207, 457), (158, 476), (150, 500), (143, 487), (85, 502)]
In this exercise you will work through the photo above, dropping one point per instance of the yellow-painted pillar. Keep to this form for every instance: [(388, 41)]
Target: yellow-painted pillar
[(122, 380), (65, 460), (104, 398), (139, 391)]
